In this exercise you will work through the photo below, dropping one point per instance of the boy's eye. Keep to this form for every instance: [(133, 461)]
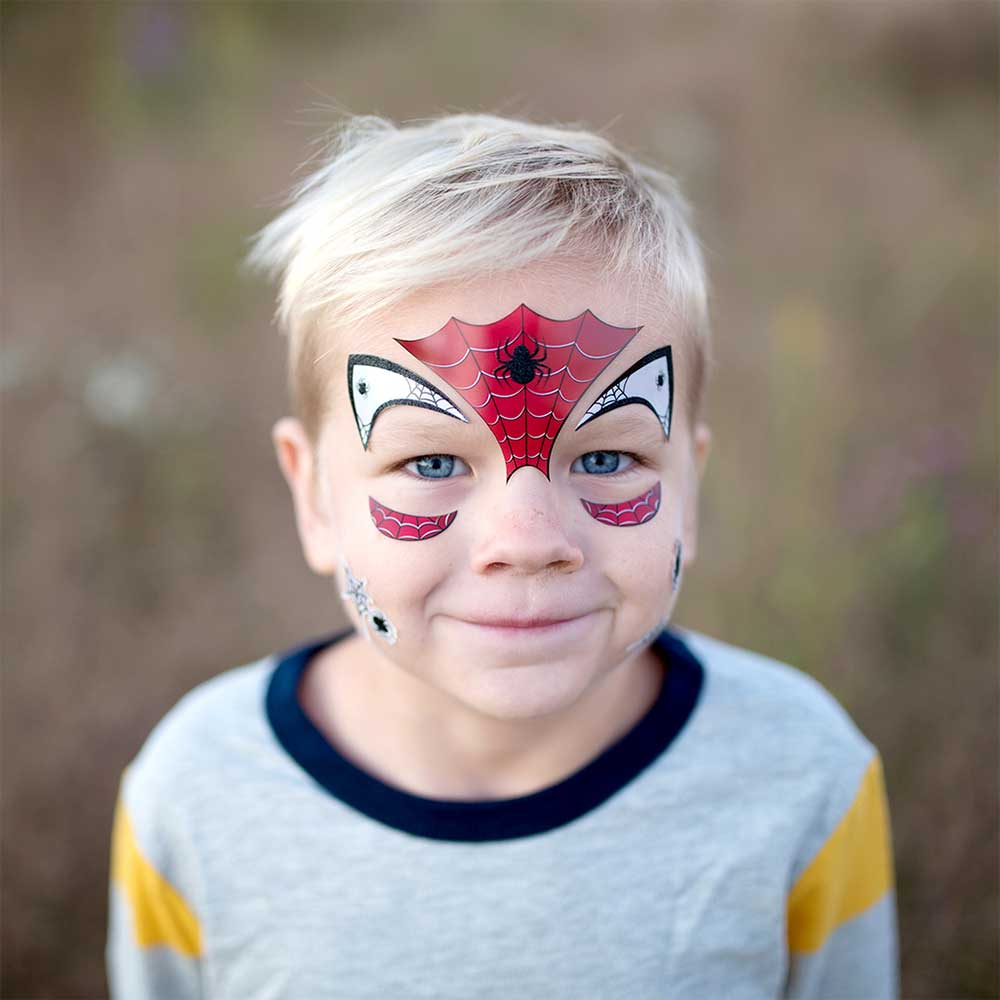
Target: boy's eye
[(436, 466), (602, 462)]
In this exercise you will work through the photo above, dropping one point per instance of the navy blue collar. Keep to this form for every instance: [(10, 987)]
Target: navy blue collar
[(492, 819)]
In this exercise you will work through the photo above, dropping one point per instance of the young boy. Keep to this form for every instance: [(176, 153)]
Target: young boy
[(511, 779)]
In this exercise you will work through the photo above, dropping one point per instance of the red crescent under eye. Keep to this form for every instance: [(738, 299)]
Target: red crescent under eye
[(407, 527), (632, 512)]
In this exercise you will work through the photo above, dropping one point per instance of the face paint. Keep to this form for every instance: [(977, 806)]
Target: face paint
[(628, 514), (649, 382), (407, 527), (523, 374), (376, 384), (676, 578), (370, 616)]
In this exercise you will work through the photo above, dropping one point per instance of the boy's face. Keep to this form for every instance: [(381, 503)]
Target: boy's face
[(510, 573)]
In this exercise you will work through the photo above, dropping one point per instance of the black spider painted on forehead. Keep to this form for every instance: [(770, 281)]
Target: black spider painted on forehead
[(521, 365)]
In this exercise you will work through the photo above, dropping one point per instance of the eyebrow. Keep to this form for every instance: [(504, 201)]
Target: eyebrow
[(399, 433), (634, 418)]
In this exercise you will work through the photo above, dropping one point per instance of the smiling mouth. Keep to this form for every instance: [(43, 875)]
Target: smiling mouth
[(513, 624)]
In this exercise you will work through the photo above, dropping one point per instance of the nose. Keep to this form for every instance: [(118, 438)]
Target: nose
[(524, 532)]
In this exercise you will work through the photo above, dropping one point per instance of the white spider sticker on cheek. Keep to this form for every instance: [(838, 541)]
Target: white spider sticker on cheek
[(370, 615), (649, 382)]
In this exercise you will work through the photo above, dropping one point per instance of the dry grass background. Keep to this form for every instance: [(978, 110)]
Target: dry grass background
[(842, 157)]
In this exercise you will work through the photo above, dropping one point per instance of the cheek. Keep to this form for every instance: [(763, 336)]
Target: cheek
[(638, 555), (402, 556), (402, 571)]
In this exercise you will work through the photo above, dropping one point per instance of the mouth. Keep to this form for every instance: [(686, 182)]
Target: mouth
[(521, 622), (512, 626)]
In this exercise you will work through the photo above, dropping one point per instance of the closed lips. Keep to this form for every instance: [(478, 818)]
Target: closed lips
[(521, 622)]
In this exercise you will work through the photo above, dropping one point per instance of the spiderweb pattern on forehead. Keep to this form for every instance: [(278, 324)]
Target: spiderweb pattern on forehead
[(524, 418)]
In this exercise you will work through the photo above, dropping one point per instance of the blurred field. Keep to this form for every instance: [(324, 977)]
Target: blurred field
[(842, 158)]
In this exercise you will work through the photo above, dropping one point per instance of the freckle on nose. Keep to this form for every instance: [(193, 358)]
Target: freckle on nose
[(526, 518)]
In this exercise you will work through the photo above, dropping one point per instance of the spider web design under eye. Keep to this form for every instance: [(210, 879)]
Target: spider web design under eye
[(628, 514), (524, 419), (407, 527)]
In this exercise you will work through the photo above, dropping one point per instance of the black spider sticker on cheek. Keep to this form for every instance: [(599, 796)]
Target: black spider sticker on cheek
[(649, 382), (676, 576), (371, 616)]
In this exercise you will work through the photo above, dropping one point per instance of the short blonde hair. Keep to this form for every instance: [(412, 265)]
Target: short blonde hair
[(391, 209)]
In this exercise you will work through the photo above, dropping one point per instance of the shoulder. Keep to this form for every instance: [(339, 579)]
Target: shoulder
[(780, 737), (773, 697), (201, 739), (158, 887), (778, 731)]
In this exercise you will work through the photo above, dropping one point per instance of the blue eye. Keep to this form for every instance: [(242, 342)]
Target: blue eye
[(602, 463), (436, 466)]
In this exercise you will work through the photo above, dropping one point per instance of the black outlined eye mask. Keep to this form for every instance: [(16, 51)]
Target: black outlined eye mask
[(649, 382), (376, 384)]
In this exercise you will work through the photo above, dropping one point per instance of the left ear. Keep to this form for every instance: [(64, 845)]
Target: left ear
[(701, 444)]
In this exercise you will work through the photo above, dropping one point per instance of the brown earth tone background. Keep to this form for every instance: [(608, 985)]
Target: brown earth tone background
[(842, 158)]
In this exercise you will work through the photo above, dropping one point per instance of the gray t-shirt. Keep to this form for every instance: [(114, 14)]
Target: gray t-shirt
[(734, 843)]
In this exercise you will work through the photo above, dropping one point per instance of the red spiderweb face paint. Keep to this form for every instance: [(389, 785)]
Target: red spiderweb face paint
[(523, 374), (628, 514), (407, 527)]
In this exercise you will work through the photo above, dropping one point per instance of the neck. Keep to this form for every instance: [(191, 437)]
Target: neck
[(379, 717)]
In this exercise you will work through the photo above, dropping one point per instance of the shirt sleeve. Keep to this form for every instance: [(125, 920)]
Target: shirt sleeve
[(154, 942), (841, 912)]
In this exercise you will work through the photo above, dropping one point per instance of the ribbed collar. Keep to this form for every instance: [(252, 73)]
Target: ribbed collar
[(493, 819)]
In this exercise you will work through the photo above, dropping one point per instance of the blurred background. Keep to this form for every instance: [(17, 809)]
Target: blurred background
[(842, 160)]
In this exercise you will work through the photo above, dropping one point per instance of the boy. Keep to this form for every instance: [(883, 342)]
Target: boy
[(511, 778)]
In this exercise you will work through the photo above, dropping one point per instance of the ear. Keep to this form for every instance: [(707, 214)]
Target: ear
[(700, 446), (315, 521)]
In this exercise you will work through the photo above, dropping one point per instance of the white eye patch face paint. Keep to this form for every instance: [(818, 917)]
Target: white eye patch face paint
[(649, 382), (376, 384), (371, 617)]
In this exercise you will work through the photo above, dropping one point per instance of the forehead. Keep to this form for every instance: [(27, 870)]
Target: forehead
[(555, 291)]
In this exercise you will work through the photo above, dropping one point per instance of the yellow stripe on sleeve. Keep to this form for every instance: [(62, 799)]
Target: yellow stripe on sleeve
[(160, 914), (852, 870)]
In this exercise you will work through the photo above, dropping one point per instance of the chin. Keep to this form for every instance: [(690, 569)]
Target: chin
[(523, 692)]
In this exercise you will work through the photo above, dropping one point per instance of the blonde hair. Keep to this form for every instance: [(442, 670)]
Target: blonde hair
[(391, 209)]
